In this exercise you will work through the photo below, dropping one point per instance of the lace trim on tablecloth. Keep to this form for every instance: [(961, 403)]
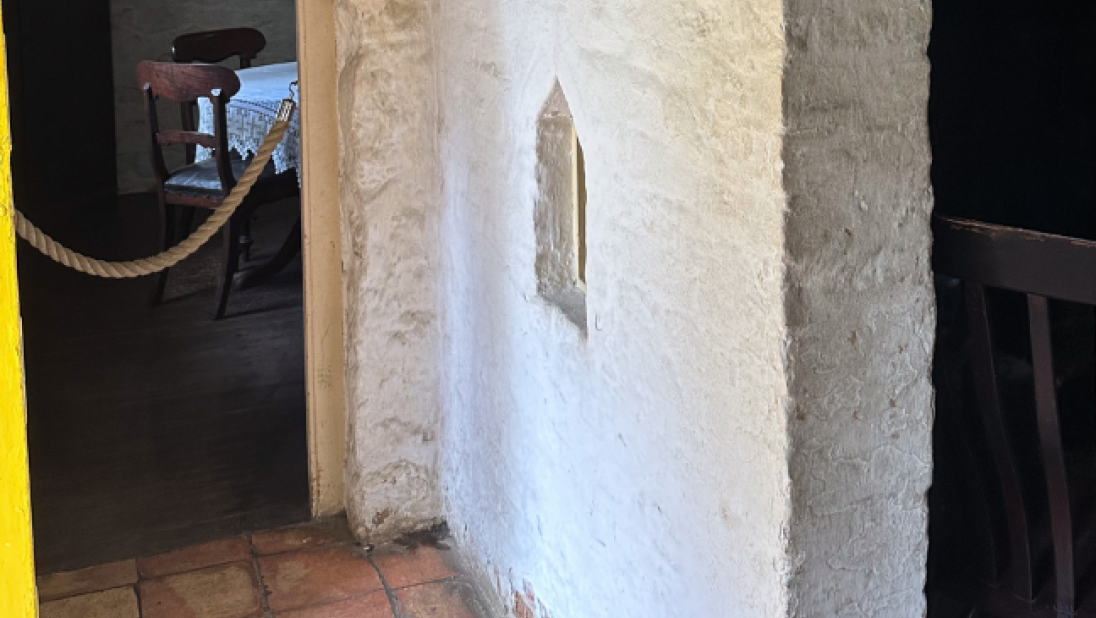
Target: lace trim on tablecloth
[(248, 124)]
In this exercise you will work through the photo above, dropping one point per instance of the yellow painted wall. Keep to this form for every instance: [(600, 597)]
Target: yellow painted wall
[(18, 598)]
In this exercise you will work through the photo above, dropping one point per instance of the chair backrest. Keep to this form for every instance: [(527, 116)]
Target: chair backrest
[(1041, 267), (219, 45), (186, 83), (212, 47)]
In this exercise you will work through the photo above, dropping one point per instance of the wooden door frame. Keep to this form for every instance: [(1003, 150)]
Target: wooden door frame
[(18, 595), (322, 246)]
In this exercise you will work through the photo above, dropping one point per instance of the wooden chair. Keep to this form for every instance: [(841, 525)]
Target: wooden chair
[(204, 184), (216, 46), (1028, 507), (213, 47)]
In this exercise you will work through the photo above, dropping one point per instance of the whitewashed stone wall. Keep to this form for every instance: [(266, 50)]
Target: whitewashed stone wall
[(860, 305), (640, 469), (743, 427), (389, 188)]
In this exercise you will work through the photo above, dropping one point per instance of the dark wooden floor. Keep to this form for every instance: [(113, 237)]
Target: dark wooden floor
[(153, 429)]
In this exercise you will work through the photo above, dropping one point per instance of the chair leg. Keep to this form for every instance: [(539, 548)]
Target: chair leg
[(231, 265), (167, 240), (187, 221), (245, 239)]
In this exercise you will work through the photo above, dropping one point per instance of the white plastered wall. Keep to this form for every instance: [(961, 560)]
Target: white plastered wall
[(744, 429), (639, 470)]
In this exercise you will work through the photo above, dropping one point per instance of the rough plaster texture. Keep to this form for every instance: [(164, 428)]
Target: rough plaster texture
[(743, 430), (389, 196), (144, 30), (640, 470), (859, 305)]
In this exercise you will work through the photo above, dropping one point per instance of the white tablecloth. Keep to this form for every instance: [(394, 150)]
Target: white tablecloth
[(251, 113)]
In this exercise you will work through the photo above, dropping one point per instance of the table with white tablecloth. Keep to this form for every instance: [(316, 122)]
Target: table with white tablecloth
[(251, 112), (249, 115)]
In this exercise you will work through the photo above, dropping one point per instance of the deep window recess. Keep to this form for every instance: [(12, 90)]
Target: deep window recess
[(560, 214)]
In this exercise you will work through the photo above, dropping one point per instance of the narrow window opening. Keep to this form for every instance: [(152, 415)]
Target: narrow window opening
[(560, 214)]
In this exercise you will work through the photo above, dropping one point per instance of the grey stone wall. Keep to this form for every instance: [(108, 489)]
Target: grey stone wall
[(389, 197), (859, 304)]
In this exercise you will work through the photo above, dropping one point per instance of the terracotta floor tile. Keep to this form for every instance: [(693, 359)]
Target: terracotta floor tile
[(197, 557), (313, 534), (308, 578), (416, 566), (226, 591), (372, 605), (94, 579), (445, 600), (115, 603)]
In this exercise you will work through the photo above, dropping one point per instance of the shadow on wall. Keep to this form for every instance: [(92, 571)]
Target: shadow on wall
[(144, 30)]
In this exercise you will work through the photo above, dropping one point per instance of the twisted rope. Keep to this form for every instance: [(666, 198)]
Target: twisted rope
[(166, 259)]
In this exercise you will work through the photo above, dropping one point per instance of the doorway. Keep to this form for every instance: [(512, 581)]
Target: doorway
[(144, 475)]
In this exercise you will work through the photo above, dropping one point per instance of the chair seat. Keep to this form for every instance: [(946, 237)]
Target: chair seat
[(202, 180)]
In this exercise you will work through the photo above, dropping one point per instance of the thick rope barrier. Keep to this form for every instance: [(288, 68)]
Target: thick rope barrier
[(166, 259)]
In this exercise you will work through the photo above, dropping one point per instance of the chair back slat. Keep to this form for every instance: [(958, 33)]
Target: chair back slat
[(1003, 454), (219, 45), (1050, 448), (192, 138), (1014, 259), (188, 82)]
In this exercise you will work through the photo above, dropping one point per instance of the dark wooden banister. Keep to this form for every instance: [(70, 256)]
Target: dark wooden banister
[(1001, 451), (1041, 266), (1050, 448), (1014, 259)]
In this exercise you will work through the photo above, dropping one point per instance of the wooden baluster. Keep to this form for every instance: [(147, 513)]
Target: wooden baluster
[(1004, 458), (1050, 447)]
